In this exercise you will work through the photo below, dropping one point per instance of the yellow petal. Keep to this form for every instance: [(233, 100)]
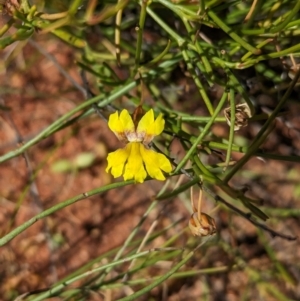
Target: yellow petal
[(159, 125), (145, 122), (122, 125), (148, 127), (155, 163), (116, 161), (134, 168), (127, 122)]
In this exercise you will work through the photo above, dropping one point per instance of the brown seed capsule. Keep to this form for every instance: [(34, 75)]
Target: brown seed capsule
[(203, 227), (242, 114)]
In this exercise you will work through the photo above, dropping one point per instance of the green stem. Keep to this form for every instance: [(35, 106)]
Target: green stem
[(201, 119), (260, 45), (262, 133), (244, 149), (203, 133), (115, 94), (170, 31), (177, 191), (159, 280), (203, 172), (199, 49), (232, 124), (231, 33), (6, 27), (282, 25), (132, 234), (140, 30), (24, 6), (157, 58), (74, 7), (282, 271), (128, 241), (178, 275), (197, 81), (58, 288), (252, 149), (8, 237), (255, 12)]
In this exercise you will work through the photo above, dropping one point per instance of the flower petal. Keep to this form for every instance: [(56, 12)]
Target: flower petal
[(148, 127), (134, 168), (116, 161), (159, 125), (122, 125), (145, 123), (155, 162)]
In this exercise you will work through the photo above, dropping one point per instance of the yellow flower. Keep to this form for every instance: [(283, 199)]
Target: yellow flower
[(135, 160)]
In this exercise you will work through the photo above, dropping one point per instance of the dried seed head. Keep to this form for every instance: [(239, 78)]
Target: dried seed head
[(242, 114), (203, 227)]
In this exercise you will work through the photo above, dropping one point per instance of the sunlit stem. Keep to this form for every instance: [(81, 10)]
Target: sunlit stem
[(192, 198), (199, 204), (118, 36), (140, 30)]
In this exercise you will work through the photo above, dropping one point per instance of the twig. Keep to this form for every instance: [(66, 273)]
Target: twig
[(59, 67), (217, 198), (90, 94)]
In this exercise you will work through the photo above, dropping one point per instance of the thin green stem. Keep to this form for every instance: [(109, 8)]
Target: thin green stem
[(160, 280), (202, 134), (201, 119), (58, 288), (132, 234), (140, 30), (6, 27), (235, 83), (262, 133), (74, 7), (251, 150), (232, 34), (244, 149), (8, 237), (178, 275), (157, 58), (254, 12), (197, 81), (283, 24), (232, 125), (259, 46), (43, 134), (282, 271), (166, 27), (200, 51), (128, 241), (177, 191)]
